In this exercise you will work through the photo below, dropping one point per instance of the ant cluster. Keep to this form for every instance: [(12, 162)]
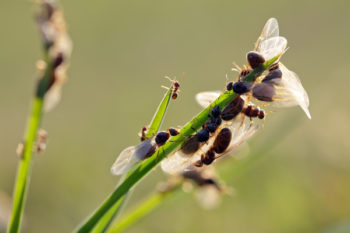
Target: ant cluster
[(226, 127)]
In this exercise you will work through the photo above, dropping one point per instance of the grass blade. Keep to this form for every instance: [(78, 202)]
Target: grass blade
[(155, 124), (159, 115)]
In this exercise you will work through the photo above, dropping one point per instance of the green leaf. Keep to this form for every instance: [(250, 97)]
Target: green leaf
[(160, 114)]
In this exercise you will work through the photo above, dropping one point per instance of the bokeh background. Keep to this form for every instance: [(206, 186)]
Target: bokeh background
[(296, 177)]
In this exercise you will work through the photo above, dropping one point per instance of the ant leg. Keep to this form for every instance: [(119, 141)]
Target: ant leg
[(261, 105), (167, 88), (251, 122), (240, 125), (269, 112), (171, 80)]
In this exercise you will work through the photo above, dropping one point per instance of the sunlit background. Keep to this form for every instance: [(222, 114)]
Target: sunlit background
[(298, 179)]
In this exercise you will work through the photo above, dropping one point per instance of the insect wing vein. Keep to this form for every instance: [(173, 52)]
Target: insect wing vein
[(290, 92), (204, 99), (130, 156)]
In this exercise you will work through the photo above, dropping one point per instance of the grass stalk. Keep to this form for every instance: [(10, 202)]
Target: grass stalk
[(144, 208), (23, 172)]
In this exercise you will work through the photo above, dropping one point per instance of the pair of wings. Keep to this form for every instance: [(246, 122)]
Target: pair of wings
[(130, 156), (289, 90), (241, 129), (269, 43)]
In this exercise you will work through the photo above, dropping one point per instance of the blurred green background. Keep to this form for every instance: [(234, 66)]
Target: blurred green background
[(122, 51)]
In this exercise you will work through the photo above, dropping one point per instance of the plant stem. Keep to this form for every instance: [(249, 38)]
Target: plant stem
[(171, 145), (108, 218), (143, 209), (24, 166)]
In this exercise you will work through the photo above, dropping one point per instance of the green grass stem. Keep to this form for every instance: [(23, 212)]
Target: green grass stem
[(23, 171)]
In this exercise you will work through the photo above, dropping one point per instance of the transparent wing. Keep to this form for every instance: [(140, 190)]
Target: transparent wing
[(272, 47), (208, 196), (290, 92), (130, 156), (204, 99), (179, 162), (270, 30), (241, 132)]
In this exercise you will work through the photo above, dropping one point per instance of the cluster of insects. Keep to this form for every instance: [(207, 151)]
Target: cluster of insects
[(228, 128)]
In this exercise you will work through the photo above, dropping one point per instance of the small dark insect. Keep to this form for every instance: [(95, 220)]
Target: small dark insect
[(208, 157), (273, 77), (266, 91), (242, 87), (251, 112), (255, 59), (215, 112), (229, 86), (161, 138), (202, 135), (143, 134), (222, 140), (200, 179), (190, 146), (221, 143), (173, 132), (211, 127), (232, 109), (176, 86)]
